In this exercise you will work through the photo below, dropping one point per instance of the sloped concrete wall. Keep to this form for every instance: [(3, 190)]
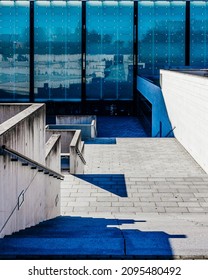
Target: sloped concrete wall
[(159, 111), (186, 99), (24, 133)]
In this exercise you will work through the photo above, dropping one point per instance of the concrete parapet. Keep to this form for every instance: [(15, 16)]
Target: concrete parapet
[(86, 123), (160, 116)]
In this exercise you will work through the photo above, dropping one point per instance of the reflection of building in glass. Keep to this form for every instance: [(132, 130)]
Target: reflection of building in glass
[(103, 67)]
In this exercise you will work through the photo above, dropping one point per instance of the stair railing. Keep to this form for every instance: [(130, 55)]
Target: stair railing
[(15, 156), (80, 156), (170, 131)]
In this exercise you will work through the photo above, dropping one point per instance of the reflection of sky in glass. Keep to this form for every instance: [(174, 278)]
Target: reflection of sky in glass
[(62, 18), (110, 18), (12, 19)]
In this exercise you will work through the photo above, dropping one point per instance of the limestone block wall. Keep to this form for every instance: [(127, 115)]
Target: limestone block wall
[(23, 190), (186, 100)]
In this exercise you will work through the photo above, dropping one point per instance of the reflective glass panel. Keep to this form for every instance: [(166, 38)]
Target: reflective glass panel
[(109, 50), (161, 33), (199, 34), (14, 51), (58, 50)]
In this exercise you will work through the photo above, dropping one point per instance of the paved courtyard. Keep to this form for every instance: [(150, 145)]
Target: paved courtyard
[(154, 191)]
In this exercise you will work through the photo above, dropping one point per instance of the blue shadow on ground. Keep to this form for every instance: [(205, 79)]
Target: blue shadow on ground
[(114, 183), (86, 237), (101, 141), (120, 126)]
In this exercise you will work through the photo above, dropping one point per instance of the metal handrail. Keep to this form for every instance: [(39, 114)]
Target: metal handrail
[(34, 164), (80, 156), (170, 132)]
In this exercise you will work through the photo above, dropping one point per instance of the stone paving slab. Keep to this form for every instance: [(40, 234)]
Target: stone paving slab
[(141, 157), (134, 196), (155, 184)]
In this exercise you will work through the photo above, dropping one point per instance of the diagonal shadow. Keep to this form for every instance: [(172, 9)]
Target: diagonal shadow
[(86, 237), (114, 183)]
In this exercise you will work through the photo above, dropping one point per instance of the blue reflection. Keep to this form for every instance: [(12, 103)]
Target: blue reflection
[(14, 51)]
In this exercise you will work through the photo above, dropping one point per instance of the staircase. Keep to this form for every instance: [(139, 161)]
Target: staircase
[(65, 236)]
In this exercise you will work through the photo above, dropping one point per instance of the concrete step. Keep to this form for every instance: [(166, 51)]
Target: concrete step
[(61, 246), (71, 227)]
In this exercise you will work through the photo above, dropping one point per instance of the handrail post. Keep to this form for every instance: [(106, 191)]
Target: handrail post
[(160, 129)]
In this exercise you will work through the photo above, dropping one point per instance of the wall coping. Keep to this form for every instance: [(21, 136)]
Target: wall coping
[(13, 121), (51, 143)]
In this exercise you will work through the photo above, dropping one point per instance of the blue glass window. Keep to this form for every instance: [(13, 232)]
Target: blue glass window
[(58, 50), (161, 33), (199, 34), (14, 51), (109, 50)]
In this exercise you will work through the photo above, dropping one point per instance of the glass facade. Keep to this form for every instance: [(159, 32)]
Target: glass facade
[(199, 34), (161, 36), (14, 50), (109, 50), (86, 50), (57, 50)]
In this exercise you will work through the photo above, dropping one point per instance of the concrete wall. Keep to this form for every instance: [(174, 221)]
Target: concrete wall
[(24, 133), (52, 191), (87, 124), (159, 111), (9, 110), (70, 141), (186, 98), (73, 119), (66, 137), (76, 164), (87, 129)]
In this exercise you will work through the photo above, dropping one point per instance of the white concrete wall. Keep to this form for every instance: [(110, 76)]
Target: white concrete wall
[(186, 99), (24, 133)]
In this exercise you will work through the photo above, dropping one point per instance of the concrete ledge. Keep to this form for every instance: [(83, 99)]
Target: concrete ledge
[(51, 143), (13, 121)]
